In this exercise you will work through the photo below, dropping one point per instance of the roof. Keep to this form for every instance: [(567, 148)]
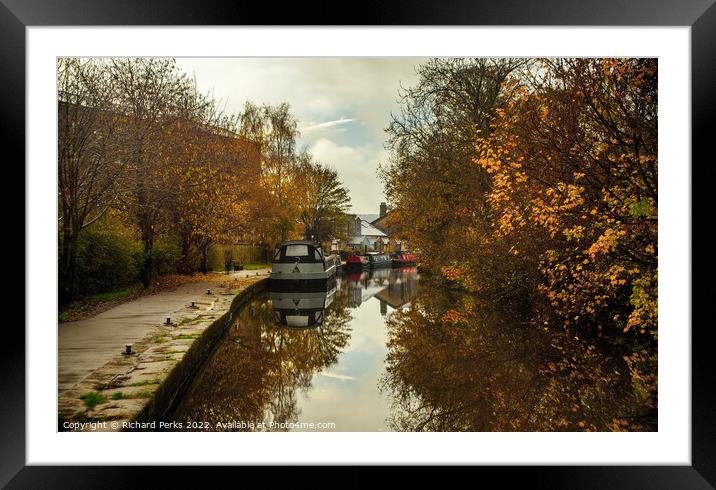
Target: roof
[(368, 217), (367, 231), (298, 242), (370, 230)]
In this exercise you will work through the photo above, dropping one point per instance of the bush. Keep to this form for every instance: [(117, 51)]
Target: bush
[(106, 259), (215, 258), (166, 255)]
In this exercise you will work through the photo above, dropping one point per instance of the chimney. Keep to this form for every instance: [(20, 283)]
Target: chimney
[(383, 209)]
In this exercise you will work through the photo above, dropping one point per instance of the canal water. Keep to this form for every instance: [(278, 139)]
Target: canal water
[(387, 350)]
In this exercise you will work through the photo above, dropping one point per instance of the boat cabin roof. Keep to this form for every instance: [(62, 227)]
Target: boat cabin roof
[(298, 242)]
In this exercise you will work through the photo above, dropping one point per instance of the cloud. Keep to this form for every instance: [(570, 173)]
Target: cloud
[(325, 125), (337, 376), (357, 167)]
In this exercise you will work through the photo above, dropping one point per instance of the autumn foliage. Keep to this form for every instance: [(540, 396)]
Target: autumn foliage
[(572, 158), (555, 204), (146, 157)]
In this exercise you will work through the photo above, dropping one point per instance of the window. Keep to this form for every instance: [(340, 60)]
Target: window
[(297, 320), (297, 251)]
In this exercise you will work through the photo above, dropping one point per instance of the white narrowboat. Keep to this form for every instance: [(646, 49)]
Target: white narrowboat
[(302, 264)]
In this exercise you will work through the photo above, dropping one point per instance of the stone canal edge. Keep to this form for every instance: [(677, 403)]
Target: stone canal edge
[(145, 386)]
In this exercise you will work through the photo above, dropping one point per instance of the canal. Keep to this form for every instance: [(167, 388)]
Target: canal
[(388, 350)]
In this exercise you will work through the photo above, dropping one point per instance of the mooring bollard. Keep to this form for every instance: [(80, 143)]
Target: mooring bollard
[(128, 349), (193, 305), (169, 321), (208, 291)]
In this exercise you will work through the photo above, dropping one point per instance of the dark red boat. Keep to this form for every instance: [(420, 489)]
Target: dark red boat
[(402, 259), (357, 262)]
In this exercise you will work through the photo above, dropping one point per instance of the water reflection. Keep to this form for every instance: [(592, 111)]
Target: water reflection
[(454, 364), (300, 309), (394, 287), (377, 352), (295, 356)]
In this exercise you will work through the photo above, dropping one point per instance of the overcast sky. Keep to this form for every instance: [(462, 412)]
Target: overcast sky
[(342, 104)]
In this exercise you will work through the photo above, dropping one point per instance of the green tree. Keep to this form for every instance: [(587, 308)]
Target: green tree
[(322, 200), (90, 174)]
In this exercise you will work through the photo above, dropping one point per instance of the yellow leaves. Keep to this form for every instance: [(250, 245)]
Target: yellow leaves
[(574, 233), (643, 159), (604, 244), (554, 184)]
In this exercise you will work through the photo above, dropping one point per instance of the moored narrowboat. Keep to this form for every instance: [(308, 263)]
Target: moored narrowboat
[(377, 260), (402, 259), (357, 262), (301, 264)]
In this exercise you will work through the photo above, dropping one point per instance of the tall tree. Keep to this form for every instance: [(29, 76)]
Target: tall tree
[(275, 130), (430, 175), (573, 162), (216, 174), (152, 94), (90, 172), (322, 200)]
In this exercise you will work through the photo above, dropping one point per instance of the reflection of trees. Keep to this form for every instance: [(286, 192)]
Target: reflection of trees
[(452, 366), (258, 368)]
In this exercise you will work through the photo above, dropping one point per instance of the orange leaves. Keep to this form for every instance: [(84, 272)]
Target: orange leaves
[(576, 187), (451, 317), (603, 244), (451, 273), (558, 194)]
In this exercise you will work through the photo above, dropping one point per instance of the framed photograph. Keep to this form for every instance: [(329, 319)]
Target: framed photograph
[(430, 237)]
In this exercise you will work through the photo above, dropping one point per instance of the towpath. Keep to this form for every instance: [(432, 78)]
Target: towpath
[(88, 344)]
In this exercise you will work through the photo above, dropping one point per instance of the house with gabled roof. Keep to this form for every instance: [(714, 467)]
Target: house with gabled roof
[(366, 235)]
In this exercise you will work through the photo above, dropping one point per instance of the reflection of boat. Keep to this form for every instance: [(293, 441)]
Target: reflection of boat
[(380, 274), (362, 286), (377, 260), (300, 264), (355, 276), (301, 309), (402, 259)]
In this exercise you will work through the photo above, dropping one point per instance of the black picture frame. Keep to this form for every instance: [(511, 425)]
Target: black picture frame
[(16, 15)]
